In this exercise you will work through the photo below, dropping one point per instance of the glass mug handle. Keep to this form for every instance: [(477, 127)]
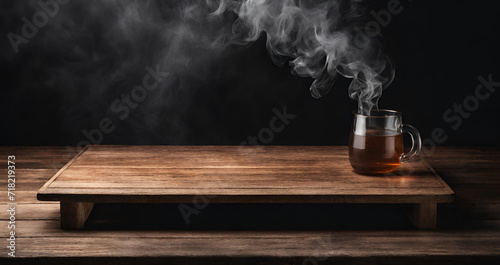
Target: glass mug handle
[(416, 142)]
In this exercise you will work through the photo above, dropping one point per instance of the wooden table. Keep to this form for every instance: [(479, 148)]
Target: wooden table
[(235, 174), (308, 234)]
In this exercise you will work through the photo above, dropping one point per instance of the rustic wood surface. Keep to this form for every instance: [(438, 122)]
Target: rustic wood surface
[(468, 227), (235, 174)]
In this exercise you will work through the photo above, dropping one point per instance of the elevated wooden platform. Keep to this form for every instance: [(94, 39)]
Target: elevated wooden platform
[(235, 174)]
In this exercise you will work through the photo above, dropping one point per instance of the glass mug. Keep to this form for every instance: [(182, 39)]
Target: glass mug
[(376, 142)]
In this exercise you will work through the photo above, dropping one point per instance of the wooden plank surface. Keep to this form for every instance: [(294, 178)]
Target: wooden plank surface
[(236, 174), (468, 231)]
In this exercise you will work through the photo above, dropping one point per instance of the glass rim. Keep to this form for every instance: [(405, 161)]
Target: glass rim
[(389, 111)]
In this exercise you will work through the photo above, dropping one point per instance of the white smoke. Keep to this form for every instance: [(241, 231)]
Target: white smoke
[(318, 39), (93, 52)]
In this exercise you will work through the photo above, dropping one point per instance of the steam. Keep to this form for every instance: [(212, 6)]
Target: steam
[(93, 52), (321, 39)]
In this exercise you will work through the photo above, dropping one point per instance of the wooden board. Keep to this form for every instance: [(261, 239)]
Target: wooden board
[(235, 174), (469, 227)]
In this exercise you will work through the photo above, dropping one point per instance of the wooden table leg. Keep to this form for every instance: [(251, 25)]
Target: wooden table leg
[(74, 214), (425, 215)]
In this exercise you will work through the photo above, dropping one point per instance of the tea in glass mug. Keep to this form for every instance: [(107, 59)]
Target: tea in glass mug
[(376, 142)]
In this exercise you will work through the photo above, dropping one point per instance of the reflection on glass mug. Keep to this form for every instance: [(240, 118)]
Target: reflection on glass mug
[(376, 142)]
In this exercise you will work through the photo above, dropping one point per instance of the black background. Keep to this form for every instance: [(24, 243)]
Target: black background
[(439, 49)]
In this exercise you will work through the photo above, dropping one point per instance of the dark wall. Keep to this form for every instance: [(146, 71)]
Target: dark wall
[(65, 80)]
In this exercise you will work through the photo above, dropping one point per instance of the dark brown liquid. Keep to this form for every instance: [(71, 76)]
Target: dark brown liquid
[(376, 152)]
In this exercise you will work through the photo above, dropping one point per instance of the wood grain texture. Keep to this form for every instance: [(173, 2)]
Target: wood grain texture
[(468, 234), (236, 174), (74, 214), (424, 215), (270, 244)]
